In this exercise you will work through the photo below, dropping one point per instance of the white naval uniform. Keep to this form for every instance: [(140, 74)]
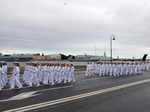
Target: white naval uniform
[(127, 69), (54, 73), (25, 75), (110, 69), (114, 69), (14, 79), (69, 74), (123, 70), (87, 70), (65, 74), (42, 74), (120, 70), (72, 74), (46, 75), (100, 69), (131, 69), (4, 75), (30, 76), (96, 68), (39, 73), (117, 68), (35, 76), (51, 75), (1, 82), (106, 69), (59, 74)]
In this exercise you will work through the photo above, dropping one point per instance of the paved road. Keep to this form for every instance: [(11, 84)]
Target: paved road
[(98, 94)]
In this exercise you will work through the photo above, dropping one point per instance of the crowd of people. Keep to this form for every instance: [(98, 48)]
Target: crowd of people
[(116, 69), (36, 74)]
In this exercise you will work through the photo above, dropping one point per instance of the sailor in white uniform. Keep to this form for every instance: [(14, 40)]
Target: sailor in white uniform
[(39, 72), (87, 70), (1, 81), (69, 74), (100, 69), (51, 75), (14, 79), (59, 73), (46, 75), (26, 74), (72, 73), (65, 73), (35, 75), (4, 74)]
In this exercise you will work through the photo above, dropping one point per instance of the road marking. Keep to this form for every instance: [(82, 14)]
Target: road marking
[(72, 98), (21, 96), (31, 94), (54, 88)]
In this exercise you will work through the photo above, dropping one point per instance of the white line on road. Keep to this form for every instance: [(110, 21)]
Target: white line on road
[(25, 95), (71, 98), (32, 93), (54, 88), (21, 96)]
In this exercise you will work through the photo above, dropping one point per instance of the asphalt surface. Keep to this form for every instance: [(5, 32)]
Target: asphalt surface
[(135, 98)]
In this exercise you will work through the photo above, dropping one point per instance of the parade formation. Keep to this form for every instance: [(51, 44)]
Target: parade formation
[(116, 69), (36, 74)]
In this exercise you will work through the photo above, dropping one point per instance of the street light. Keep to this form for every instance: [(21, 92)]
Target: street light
[(111, 51)]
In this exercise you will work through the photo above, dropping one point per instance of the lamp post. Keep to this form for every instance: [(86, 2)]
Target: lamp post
[(111, 50)]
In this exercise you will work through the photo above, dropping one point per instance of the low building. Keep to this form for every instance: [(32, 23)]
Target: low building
[(53, 57), (38, 58), (15, 58)]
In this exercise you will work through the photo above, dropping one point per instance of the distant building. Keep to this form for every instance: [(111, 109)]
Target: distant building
[(81, 56), (88, 56), (91, 57), (15, 58), (37, 54), (53, 57), (38, 58)]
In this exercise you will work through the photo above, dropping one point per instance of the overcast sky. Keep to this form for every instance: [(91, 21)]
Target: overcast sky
[(75, 26)]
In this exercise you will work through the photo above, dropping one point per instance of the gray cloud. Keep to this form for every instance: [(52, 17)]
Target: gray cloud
[(75, 26)]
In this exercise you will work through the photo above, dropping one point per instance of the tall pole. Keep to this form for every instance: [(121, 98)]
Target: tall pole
[(111, 50)]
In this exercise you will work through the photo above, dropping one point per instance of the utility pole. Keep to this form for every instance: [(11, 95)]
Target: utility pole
[(111, 50)]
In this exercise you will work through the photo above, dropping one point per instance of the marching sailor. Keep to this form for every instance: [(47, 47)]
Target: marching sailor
[(1, 81), (14, 79), (4, 68)]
